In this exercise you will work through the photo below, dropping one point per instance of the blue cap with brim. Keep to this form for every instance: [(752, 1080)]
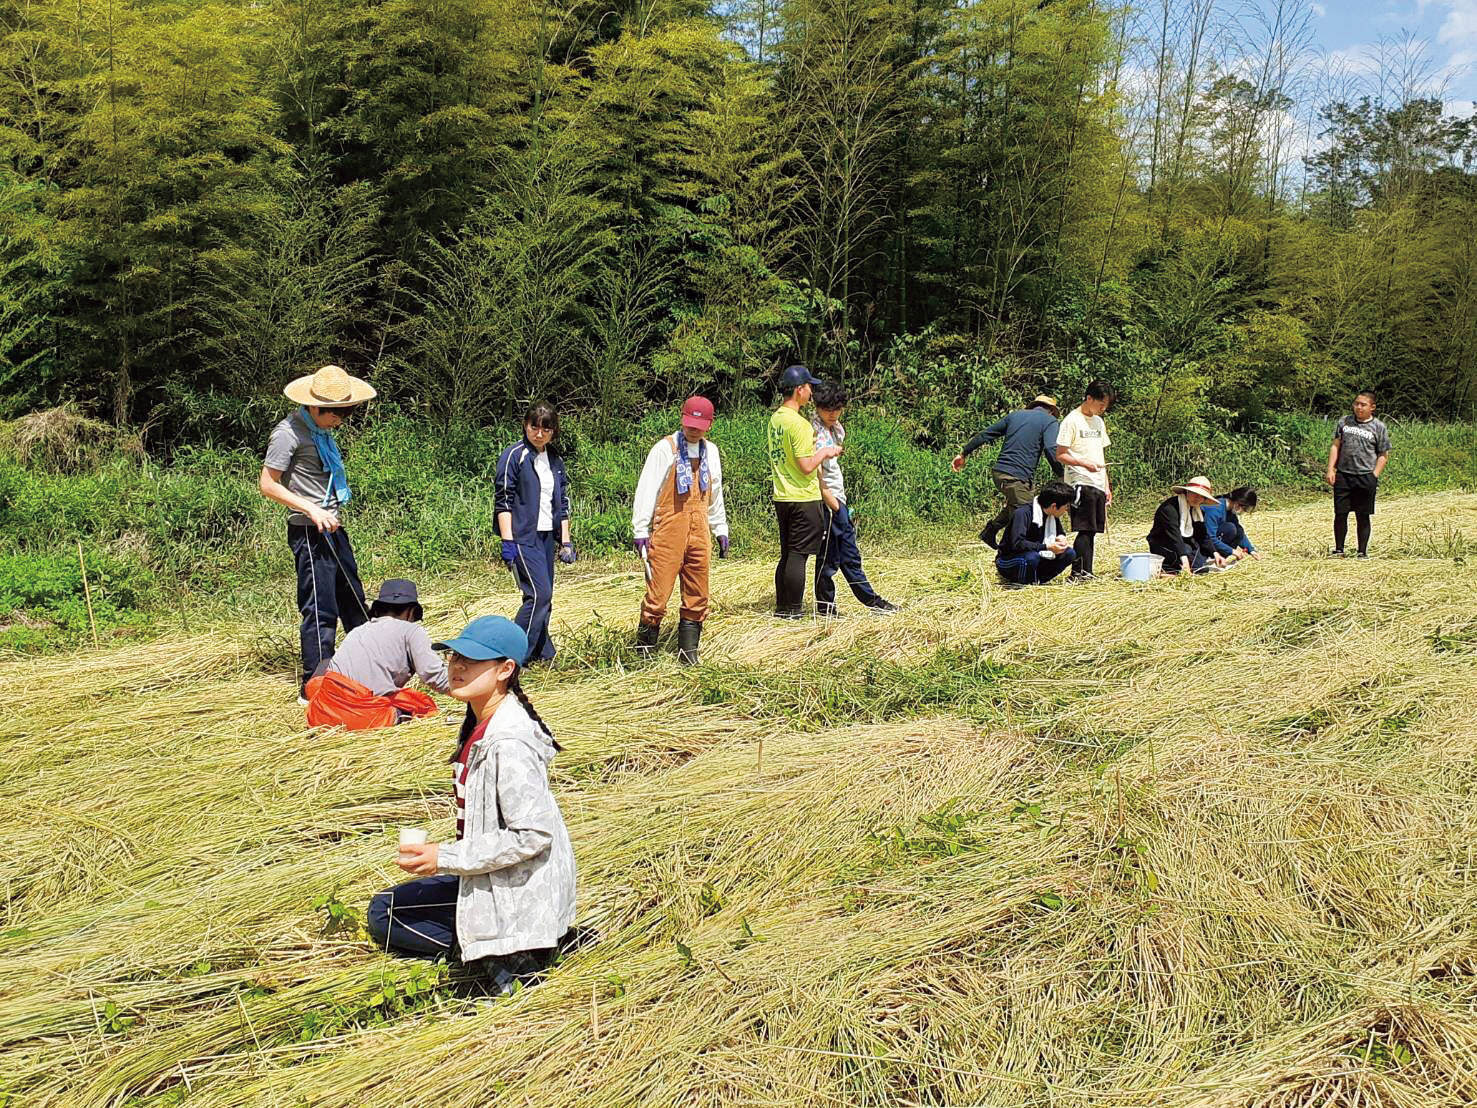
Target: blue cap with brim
[(796, 376), (487, 638)]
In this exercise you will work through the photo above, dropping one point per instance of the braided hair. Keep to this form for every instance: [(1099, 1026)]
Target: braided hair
[(515, 688)]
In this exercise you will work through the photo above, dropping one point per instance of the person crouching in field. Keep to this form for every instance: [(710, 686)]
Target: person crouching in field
[(501, 897), (531, 506), (304, 472), (363, 684), (1361, 447), (1033, 547), (1179, 534), (1223, 524), (677, 509), (839, 549)]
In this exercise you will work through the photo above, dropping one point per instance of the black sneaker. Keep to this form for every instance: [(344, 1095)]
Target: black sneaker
[(1336, 552), (882, 607), (827, 611), (1362, 554), (789, 616)]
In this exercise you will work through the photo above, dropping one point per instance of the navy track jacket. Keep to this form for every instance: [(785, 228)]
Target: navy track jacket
[(517, 490)]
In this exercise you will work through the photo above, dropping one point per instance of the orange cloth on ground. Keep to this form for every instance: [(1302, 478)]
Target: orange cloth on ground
[(336, 700), (681, 544)]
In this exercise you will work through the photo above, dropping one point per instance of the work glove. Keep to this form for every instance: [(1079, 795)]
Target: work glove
[(510, 552), (567, 554), (722, 546), (642, 546)]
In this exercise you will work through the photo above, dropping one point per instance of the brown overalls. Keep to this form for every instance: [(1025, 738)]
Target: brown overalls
[(681, 543)]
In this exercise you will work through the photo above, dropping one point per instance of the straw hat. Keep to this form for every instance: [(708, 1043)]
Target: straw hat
[(1199, 486), (330, 387), (1048, 401)]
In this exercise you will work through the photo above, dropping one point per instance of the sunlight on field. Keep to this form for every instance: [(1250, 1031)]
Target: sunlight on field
[(1197, 843)]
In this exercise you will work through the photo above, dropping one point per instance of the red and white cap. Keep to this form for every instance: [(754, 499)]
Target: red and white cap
[(697, 413)]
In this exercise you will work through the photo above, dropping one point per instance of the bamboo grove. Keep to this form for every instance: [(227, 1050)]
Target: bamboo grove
[(621, 201)]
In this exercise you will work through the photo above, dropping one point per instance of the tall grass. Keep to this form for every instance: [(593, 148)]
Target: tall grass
[(1200, 844)]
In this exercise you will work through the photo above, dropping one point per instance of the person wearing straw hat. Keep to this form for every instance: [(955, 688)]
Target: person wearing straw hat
[(1179, 534), (677, 510), (1030, 435), (364, 684), (304, 472), (501, 897)]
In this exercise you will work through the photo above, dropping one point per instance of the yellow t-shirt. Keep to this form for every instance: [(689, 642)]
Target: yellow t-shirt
[(791, 437)]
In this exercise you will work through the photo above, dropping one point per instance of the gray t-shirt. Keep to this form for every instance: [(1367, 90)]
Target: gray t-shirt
[(291, 449), (383, 654), (1360, 444)]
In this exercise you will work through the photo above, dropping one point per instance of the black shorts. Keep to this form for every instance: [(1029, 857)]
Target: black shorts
[(1354, 492), (1089, 509), (802, 525)]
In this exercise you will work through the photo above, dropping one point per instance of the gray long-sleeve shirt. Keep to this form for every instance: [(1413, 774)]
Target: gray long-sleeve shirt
[(383, 654)]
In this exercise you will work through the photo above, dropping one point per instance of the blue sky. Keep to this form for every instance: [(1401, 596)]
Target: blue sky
[(1351, 31)]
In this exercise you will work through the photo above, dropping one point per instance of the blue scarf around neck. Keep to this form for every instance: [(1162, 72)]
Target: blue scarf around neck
[(684, 465), (338, 481)]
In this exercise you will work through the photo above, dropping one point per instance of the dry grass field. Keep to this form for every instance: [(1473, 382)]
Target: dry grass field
[(1203, 844)]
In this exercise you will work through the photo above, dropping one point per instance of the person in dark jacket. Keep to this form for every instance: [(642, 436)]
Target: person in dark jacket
[(1179, 535), (1030, 435), (1223, 524), (531, 503), (1034, 548)]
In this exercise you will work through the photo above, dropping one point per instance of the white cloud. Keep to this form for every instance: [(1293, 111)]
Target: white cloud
[(1319, 10)]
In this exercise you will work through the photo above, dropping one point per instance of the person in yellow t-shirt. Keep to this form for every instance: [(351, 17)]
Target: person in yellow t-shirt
[(793, 462)]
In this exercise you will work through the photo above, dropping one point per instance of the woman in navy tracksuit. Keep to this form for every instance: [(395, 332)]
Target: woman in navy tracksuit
[(532, 510)]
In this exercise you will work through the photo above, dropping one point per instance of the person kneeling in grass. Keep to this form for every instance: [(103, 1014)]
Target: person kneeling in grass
[(1033, 548), (1223, 524), (363, 685), (501, 897), (1179, 534)]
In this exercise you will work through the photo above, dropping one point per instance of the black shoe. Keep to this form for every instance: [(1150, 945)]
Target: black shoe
[(883, 607), (646, 634), (1362, 554), (789, 614), (989, 536), (689, 632), (827, 611), (1336, 552)]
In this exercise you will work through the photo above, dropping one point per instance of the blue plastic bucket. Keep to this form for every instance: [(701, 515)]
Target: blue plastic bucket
[(1139, 567)]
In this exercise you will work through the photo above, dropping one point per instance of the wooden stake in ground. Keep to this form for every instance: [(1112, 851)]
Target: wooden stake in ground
[(87, 593)]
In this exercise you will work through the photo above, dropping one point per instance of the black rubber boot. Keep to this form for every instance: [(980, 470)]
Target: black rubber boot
[(646, 634), (689, 631)]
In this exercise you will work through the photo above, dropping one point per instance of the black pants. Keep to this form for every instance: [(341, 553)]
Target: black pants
[(328, 591), (1089, 517), (802, 530), (1353, 492), (840, 551)]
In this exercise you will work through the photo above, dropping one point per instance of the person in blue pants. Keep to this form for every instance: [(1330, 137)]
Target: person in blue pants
[(1033, 548), (1223, 523), (839, 549), (531, 503)]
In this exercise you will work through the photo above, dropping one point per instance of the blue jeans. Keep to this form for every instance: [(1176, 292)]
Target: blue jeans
[(328, 591), (418, 917), (534, 571), (839, 550), (1032, 569)]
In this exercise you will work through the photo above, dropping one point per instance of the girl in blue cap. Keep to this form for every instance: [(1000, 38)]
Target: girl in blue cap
[(501, 896), (531, 506)]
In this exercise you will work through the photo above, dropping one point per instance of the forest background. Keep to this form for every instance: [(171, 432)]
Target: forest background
[(474, 203)]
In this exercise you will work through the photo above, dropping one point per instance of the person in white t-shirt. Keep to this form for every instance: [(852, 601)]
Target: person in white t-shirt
[(1081, 443)]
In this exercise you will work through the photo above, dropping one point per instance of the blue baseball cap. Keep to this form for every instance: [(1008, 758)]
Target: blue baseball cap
[(796, 376), (489, 637)]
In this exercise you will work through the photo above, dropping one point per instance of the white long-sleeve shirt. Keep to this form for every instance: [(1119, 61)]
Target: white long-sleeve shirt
[(658, 470)]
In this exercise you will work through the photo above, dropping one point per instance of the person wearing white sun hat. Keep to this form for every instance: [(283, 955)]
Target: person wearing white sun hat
[(304, 472), (1179, 534)]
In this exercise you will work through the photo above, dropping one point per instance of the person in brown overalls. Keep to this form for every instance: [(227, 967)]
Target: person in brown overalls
[(678, 506)]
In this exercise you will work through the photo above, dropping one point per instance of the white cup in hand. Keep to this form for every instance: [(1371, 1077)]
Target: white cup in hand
[(412, 836)]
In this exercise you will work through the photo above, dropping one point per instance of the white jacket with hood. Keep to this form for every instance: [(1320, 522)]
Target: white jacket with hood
[(514, 858)]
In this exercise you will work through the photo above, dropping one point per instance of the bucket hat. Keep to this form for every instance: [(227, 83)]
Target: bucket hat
[(1199, 486), (330, 387), (398, 592), (1046, 402)]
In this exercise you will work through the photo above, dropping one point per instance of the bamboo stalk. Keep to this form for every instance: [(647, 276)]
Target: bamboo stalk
[(87, 593)]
